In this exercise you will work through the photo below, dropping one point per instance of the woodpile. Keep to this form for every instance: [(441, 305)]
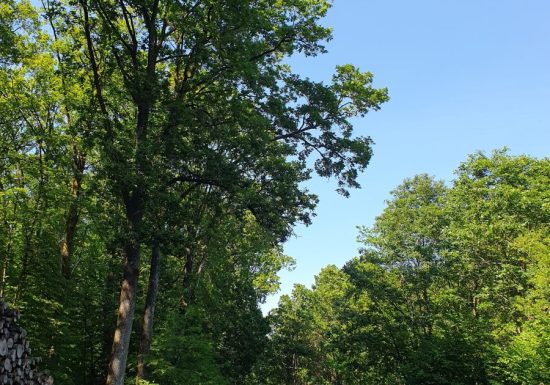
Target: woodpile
[(17, 367)]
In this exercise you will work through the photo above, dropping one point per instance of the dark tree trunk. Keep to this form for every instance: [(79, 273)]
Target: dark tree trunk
[(110, 300), (149, 312)]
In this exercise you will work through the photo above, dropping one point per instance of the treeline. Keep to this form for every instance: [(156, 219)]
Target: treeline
[(152, 160), (452, 286)]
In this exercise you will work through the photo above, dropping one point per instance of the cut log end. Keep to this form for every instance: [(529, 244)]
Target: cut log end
[(17, 367)]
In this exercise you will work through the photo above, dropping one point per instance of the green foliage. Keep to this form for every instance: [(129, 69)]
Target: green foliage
[(185, 354), (451, 288)]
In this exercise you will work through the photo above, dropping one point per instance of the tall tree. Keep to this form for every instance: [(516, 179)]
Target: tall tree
[(158, 104), (196, 94)]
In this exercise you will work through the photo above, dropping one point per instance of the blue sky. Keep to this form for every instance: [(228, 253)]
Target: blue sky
[(463, 76)]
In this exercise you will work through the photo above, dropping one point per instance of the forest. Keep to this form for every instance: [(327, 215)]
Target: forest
[(154, 156)]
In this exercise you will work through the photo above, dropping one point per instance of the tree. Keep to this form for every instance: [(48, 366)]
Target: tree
[(195, 94), (450, 288), (496, 235)]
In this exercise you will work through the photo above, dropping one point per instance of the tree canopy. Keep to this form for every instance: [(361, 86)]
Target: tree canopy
[(172, 128), (451, 287)]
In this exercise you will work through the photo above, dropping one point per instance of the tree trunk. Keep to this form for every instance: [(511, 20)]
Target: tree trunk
[(149, 312), (66, 249), (110, 300), (127, 301)]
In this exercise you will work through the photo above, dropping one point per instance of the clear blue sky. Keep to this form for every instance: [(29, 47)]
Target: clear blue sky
[(463, 75)]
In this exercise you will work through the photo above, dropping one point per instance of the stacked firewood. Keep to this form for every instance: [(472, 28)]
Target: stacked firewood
[(17, 367)]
